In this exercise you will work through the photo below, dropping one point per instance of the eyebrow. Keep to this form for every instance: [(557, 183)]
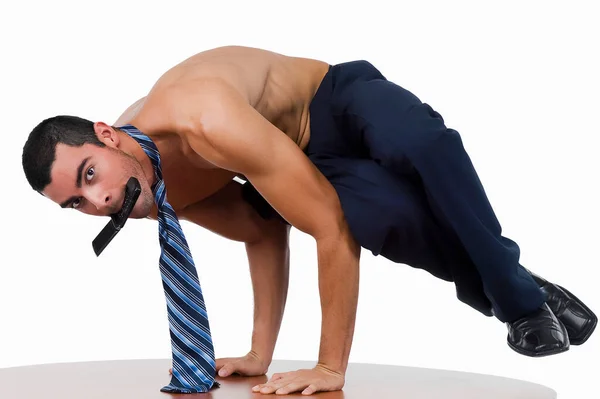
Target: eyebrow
[(64, 204)]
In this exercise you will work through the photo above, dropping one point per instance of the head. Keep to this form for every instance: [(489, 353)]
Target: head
[(83, 165)]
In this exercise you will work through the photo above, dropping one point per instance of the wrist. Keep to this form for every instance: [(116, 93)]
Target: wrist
[(265, 362), (332, 367), (264, 337), (262, 354)]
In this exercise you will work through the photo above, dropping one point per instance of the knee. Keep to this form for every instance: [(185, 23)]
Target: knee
[(426, 137), (424, 128), (418, 132)]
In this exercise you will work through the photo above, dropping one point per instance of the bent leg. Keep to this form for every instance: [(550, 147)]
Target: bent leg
[(387, 214), (407, 136)]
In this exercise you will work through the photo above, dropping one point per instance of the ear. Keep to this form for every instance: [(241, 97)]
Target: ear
[(106, 134)]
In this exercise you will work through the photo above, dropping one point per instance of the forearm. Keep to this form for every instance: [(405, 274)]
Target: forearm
[(268, 258), (338, 285)]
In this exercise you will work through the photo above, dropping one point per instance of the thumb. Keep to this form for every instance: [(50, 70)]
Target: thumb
[(226, 370), (221, 362)]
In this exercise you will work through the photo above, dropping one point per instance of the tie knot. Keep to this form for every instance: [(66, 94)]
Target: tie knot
[(152, 152)]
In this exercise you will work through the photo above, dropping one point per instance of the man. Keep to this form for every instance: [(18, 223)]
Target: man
[(340, 153)]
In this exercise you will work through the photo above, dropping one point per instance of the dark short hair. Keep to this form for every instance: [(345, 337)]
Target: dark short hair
[(39, 151)]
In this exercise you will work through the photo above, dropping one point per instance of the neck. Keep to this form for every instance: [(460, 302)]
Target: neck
[(130, 146)]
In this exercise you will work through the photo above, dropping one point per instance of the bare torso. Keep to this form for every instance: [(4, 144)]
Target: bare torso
[(279, 87)]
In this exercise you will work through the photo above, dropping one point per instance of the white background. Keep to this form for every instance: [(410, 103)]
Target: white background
[(518, 80)]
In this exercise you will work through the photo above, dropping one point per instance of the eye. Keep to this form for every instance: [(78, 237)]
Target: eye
[(89, 174), (75, 204)]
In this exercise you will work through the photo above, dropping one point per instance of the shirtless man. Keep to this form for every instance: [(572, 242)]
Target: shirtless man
[(337, 151)]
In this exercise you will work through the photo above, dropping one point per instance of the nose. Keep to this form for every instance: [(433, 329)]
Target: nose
[(104, 201)]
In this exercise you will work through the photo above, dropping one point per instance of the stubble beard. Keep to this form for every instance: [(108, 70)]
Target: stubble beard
[(145, 201)]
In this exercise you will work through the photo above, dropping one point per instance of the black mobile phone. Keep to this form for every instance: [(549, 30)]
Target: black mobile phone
[(117, 220)]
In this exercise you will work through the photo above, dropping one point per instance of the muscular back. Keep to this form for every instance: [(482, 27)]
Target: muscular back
[(279, 87)]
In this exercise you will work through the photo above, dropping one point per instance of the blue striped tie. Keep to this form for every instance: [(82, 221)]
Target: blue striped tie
[(193, 353)]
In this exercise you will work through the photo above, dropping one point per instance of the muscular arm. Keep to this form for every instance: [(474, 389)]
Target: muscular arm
[(234, 136), (269, 270), (228, 215)]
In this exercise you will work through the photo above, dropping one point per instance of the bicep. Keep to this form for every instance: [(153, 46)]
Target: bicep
[(236, 137)]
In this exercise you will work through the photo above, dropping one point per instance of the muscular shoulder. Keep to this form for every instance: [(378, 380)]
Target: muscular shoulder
[(193, 107), (130, 113)]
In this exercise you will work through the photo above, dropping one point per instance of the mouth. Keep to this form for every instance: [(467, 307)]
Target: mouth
[(126, 203), (132, 192), (115, 210), (119, 208)]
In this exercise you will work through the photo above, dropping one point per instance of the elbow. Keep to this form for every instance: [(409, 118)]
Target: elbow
[(269, 231), (336, 234)]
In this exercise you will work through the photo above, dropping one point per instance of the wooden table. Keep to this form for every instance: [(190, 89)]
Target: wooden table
[(129, 379)]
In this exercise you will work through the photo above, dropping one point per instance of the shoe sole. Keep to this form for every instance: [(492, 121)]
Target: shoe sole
[(538, 354), (578, 340)]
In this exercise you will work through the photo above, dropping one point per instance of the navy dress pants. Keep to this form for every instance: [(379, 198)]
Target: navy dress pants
[(409, 190)]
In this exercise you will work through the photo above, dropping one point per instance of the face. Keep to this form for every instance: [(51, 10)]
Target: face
[(92, 179)]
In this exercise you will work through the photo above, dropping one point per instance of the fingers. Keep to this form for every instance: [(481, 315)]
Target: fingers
[(277, 376), (277, 382), (285, 387), (305, 381), (171, 371), (226, 366), (312, 388), (269, 387), (242, 366), (292, 387)]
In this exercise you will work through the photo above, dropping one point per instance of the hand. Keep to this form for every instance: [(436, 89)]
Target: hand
[(248, 365), (309, 381)]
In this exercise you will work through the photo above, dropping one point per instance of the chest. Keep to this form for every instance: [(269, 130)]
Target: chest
[(186, 183)]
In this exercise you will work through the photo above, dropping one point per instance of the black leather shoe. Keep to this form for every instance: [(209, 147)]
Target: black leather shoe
[(579, 320), (538, 334)]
